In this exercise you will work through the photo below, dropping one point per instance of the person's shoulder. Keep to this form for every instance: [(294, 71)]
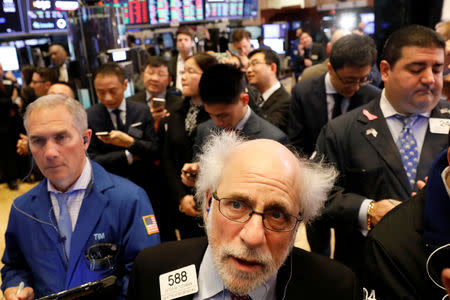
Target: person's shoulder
[(268, 130), (327, 271), (137, 97), (369, 91), (23, 200), (309, 84), (362, 113), (94, 109)]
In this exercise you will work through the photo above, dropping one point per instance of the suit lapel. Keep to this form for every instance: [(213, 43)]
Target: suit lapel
[(377, 134), (320, 101), (107, 119), (251, 127)]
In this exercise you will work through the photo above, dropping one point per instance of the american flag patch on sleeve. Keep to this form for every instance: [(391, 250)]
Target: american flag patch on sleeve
[(150, 224)]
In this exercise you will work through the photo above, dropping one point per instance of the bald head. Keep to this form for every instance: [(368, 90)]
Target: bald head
[(58, 55), (61, 89)]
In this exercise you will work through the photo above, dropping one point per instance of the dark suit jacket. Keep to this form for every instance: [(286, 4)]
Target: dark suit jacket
[(313, 276), (370, 168), (276, 108), (173, 101), (255, 128), (113, 158), (308, 113)]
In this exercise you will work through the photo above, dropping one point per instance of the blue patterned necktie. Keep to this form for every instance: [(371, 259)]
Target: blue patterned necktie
[(407, 146), (64, 223)]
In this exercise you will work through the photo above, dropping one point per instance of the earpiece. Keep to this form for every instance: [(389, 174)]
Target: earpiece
[(207, 209), (85, 139)]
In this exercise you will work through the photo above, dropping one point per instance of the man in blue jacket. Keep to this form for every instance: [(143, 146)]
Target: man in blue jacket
[(81, 223)]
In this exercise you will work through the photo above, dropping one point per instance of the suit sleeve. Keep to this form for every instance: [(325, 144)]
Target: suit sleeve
[(295, 124), (342, 208), (138, 234), (146, 146), (15, 268)]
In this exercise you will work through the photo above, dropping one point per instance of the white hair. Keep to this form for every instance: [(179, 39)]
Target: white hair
[(314, 182), (49, 101)]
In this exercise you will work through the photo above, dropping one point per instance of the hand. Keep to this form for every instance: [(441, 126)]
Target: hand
[(188, 206), (9, 75), (26, 294), (117, 138), (22, 145), (381, 208), (308, 62), (420, 184), (158, 113), (189, 174), (446, 279)]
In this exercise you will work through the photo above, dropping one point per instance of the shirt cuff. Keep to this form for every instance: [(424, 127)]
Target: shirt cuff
[(362, 216), (129, 157)]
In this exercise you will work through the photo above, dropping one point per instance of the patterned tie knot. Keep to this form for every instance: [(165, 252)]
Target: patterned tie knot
[(239, 297), (407, 121)]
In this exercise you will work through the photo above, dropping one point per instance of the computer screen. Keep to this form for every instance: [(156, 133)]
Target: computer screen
[(186, 10), (118, 54), (251, 8), (8, 58), (49, 15), (255, 31), (274, 31), (135, 11), (167, 40), (276, 45), (369, 20), (11, 18), (219, 9)]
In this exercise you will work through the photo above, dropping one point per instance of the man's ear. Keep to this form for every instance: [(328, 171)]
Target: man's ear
[(385, 69), (208, 198), (273, 68), (87, 135)]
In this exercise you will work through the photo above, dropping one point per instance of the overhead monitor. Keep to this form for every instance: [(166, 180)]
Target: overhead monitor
[(11, 18), (274, 31), (224, 9), (251, 8), (186, 10), (159, 11), (255, 31), (135, 11), (49, 15), (118, 54), (167, 38), (8, 58), (369, 20)]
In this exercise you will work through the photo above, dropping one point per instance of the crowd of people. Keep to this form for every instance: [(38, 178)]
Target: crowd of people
[(196, 185)]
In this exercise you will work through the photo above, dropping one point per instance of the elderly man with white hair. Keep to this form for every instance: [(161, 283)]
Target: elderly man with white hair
[(253, 194)]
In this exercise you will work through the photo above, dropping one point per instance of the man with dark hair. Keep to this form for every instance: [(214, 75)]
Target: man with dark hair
[(343, 88), (309, 53), (42, 79), (156, 79), (262, 72), (223, 92), (124, 141), (185, 45), (241, 41), (385, 147), (253, 195)]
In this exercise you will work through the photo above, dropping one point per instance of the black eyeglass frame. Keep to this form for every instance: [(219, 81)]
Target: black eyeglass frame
[(297, 219)]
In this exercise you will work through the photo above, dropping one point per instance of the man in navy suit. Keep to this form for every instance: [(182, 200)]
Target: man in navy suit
[(124, 141), (343, 88), (385, 147)]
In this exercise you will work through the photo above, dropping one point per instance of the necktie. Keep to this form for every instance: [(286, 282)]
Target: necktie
[(337, 105), (119, 122), (238, 297), (260, 101), (407, 146), (64, 223)]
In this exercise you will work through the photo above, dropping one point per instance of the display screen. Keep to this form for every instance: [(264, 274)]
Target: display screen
[(369, 20), (276, 45), (135, 12), (251, 8), (10, 18), (49, 15), (255, 31), (167, 38), (218, 9), (274, 31), (159, 11), (8, 58), (186, 10)]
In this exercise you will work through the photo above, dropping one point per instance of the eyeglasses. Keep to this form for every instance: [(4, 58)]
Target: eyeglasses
[(37, 81), (254, 63), (274, 219), (190, 72), (363, 81)]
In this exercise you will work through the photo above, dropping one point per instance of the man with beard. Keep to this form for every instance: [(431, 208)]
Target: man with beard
[(253, 196)]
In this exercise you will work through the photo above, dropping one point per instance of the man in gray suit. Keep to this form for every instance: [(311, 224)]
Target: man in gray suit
[(223, 92)]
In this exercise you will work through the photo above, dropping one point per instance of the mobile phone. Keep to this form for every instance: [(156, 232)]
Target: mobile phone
[(102, 133), (158, 102)]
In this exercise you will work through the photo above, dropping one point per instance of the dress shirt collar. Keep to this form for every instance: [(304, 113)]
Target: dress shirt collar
[(240, 125), (148, 95), (211, 284), (329, 87), (82, 182), (271, 90), (389, 111), (122, 107), (444, 174)]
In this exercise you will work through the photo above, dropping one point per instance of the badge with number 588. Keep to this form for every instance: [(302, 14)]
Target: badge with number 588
[(178, 283)]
